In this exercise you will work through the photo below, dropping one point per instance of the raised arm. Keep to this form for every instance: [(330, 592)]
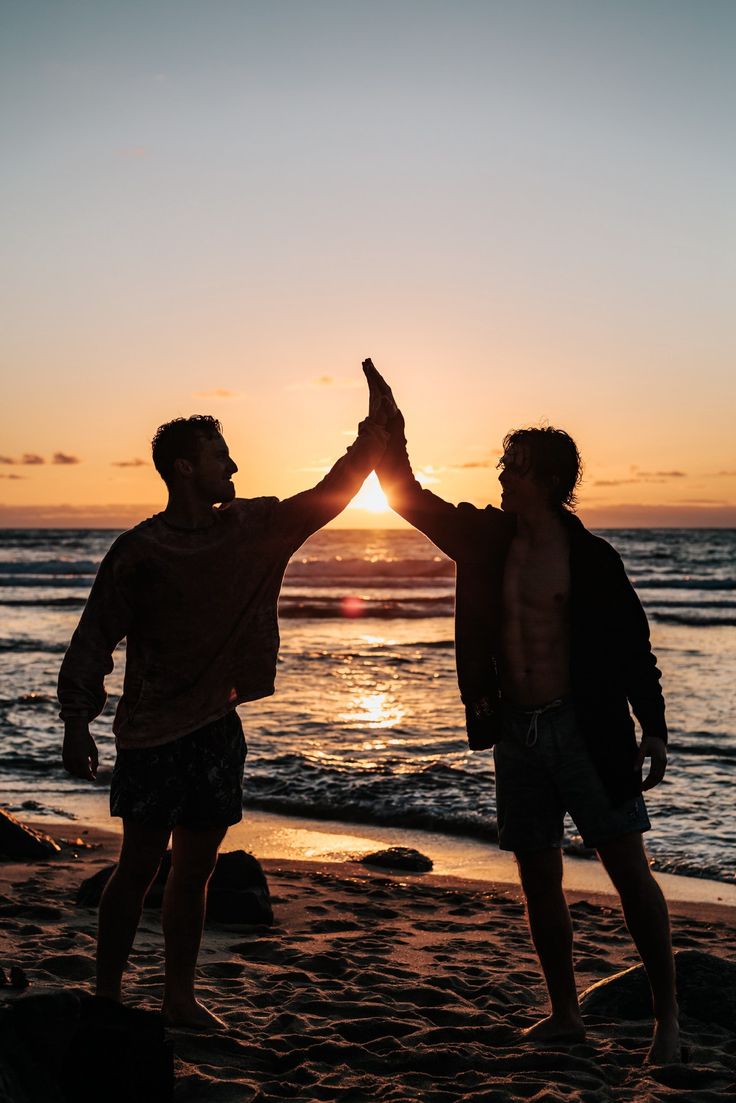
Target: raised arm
[(456, 530), (305, 513), (88, 660)]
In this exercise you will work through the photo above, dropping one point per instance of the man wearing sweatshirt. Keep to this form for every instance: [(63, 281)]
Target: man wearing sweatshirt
[(193, 591)]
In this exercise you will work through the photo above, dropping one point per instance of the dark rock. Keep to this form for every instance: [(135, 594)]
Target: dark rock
[(399, 857), (238, 890), (68, 1047), (706, 990), (23, 843), (122, 1050), (18, 978)]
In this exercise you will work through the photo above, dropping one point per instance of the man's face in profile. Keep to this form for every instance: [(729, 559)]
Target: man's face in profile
[(520, 490), (213, 470)]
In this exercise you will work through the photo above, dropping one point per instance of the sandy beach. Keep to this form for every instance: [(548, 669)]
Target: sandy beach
[(376, 985)]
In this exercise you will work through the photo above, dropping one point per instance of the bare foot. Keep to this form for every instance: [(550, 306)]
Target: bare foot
[(192, 1014), (665, 1048), (555, 1029)]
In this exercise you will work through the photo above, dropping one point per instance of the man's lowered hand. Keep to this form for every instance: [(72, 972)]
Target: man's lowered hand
[(654, 749)]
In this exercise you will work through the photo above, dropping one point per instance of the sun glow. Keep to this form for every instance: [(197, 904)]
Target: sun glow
[(370, 496)]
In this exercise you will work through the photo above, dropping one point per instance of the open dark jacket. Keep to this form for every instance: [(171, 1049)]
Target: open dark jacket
[(612, 664)]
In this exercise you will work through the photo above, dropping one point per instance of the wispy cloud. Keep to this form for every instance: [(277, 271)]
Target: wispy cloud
[(642, 477), (217, 392), (64, 458), (31, 459), (7, 460), (471, 464), (129, 463), (661, 475), (427, 476), (323, 382), (11, 475)]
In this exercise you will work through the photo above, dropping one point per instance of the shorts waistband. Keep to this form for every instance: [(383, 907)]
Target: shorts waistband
[(558, 703), (532, 716)]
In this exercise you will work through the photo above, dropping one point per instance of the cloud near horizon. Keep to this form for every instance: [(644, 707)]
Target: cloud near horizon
[(129, 463), (217, 392), (326, 381), (31, 459), (12, 475), (65, 459), (642, 477)]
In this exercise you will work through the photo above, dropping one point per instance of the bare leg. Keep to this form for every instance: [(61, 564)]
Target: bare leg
[(647, 918), (551, 930), (122, 900), (194, 854)]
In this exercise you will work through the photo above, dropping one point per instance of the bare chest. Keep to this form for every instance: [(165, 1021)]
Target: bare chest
[(536, 580)]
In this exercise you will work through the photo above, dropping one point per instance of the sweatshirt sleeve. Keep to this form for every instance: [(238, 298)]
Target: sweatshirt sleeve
[(460, 531), (305, 513), (103, 624)]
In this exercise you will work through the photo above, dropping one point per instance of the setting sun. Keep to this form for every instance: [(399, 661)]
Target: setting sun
[(370, 496)]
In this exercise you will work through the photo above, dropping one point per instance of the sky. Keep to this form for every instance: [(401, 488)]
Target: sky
[(522, 211)]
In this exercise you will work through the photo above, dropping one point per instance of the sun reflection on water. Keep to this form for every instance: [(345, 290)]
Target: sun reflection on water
[(375, 710)]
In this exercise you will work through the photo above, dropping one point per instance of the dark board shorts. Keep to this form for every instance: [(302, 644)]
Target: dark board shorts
[(194, 781), (543, 770)]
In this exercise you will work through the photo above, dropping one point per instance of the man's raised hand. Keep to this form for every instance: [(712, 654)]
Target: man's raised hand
[(382, 406)]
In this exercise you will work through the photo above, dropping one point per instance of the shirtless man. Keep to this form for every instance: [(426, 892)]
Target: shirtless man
[(552, 646), (194, 590)]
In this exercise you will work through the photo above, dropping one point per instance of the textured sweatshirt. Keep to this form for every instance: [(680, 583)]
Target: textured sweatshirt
[(198, 608)]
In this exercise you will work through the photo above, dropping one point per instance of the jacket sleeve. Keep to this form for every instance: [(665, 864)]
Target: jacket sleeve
[(303, 514), (103, 624), (642, 676), (460, 531)]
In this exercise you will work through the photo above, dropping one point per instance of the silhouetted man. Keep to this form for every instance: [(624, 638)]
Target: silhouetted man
[(552, 645), (194, 591)]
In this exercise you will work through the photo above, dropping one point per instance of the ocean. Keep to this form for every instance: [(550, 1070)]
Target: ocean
[(366, 724)]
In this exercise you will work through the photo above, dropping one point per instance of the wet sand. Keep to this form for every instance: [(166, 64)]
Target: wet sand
[(378, 986)]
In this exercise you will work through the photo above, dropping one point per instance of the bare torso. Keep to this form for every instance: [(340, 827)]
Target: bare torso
[(535, 633)]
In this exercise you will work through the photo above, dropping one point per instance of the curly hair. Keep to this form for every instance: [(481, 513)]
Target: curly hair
[(554, 460), (179, 440)]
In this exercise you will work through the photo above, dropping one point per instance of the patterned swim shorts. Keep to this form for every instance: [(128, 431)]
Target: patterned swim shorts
[(194, 781)]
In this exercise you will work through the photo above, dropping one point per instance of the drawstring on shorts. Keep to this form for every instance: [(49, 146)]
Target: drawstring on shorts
[(532, 732)]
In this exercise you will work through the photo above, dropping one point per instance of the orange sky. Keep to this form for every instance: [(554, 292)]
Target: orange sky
[(522, 212)]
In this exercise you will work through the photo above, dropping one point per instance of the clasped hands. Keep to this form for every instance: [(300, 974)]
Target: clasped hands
[(382, 407)]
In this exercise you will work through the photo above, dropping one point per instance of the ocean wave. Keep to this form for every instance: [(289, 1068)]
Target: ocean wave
[(352, 606), (644, 583), (69, 602), (48, 567), (355, 567), (673, 603), (693, 620), (46, 581), (25, 646)]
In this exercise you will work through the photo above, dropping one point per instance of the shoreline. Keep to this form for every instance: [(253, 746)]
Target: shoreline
[(276, 838), (375, 985)]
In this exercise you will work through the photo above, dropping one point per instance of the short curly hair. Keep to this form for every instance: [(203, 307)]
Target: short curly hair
[(179, 440), (554, 460)]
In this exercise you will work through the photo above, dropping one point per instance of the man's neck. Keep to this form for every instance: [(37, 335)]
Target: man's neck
[(538, 525), (188, 513)]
